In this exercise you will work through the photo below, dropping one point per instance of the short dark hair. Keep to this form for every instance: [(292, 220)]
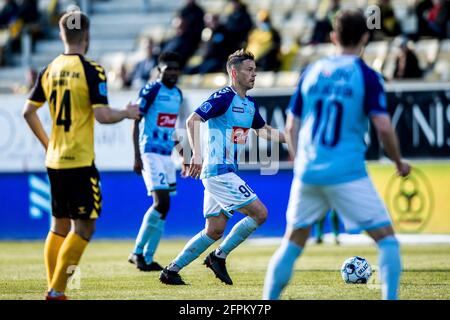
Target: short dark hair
[(350, 26), (74, 25), (169, 56), (235, 59)]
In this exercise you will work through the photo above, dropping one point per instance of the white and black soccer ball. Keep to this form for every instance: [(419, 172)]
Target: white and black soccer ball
[(356, 270)]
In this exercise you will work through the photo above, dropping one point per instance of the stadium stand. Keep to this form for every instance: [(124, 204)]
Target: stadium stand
[(119, 30)]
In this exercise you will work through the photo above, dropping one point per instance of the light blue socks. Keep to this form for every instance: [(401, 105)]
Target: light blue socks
[(192, 250), (152, 244), (241, 231), (150, 225), (390, 266), (280, 268)]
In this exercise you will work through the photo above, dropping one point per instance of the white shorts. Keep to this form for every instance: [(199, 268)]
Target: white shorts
[(224, 194), (357, 204), (159, 172)]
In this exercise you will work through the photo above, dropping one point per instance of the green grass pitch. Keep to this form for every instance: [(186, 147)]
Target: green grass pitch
[(106, 274)]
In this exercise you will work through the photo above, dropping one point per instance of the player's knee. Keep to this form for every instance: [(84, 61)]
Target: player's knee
[(85, 230), (261, 216), (162, 207), (214, 233)]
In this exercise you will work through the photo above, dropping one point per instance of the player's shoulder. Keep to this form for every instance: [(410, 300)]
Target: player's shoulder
[(93, 70), (226, 93), (150, 88), (370, 75)]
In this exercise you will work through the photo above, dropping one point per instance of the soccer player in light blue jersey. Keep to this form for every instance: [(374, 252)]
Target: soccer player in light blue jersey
[(229, 115), (329, 117), (154, 141)]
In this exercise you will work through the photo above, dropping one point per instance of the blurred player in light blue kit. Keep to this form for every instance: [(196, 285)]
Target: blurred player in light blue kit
[(229, 114), (154, 141), (329, 117)]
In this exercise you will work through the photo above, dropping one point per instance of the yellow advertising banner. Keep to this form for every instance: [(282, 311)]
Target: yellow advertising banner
[(419, 203)]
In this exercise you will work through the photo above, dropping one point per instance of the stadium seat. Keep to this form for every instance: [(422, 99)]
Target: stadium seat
[(286, 79), (375, 54), (265, 79), (214, 80)]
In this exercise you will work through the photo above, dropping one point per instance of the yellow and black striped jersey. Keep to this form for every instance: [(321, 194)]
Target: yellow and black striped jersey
[(73, 87)]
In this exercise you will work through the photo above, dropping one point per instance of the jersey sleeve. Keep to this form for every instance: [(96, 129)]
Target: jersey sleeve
[(216, 105), (296, 103), (258, 121), (147, 96), (37, 95), (375, 97), (96, 80)]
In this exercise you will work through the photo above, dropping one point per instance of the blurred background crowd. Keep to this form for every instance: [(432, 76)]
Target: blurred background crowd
[(412, 42)]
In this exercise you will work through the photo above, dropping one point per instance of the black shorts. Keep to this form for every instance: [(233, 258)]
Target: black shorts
[(76, 193)]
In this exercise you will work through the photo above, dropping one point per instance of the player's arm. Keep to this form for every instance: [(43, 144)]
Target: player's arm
[(375, 105), (193, 132), (292, 128), (269, 133), (137, 152), (33, 121), (388, 138), (106, 115), (35, 101)]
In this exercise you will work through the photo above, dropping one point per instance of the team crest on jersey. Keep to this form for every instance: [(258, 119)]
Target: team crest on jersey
[(205, 107), (239, 135), (167, 120)]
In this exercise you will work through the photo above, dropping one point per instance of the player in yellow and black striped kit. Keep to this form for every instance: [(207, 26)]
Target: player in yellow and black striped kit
[(76, 91)]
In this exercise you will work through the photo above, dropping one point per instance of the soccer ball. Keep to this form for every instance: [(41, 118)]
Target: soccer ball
[(356, 270)]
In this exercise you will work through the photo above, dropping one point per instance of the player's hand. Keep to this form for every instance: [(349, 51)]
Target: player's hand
[(403, 169), (195, 168), (133, 111), (184, 170), (138, 166)]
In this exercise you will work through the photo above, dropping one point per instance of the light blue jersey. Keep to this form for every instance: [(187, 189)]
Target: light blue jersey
[(160, 107), (334, 99), (228, 120)]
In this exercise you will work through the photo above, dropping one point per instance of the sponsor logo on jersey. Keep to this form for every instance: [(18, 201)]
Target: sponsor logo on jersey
[(102, 89), (238, 109), (239, 135), (167, 120)]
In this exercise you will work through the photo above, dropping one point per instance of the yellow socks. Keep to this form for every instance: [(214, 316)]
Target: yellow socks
[(51, 249), (69, 256)]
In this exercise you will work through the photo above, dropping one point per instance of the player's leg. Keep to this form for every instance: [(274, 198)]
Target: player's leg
[(319, 229), (216, 221), (60, 224), (361, 207), (306, 206), (335, 225), (256, 213), (60, 227), (84, 205), (152, 226), (389, 260), (161, 205)]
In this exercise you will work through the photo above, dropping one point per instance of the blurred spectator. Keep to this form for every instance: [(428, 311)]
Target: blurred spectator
[(406, 64), (182, 42), (28, 11), (31, 76), (9, 13), (324, 25), (238, 25), (264, 42), (193, 15), (140, 74), (215, 52), (434, 18), (390, 26)]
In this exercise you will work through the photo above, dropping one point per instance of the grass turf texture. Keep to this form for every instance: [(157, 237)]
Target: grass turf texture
[(106, 274)]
